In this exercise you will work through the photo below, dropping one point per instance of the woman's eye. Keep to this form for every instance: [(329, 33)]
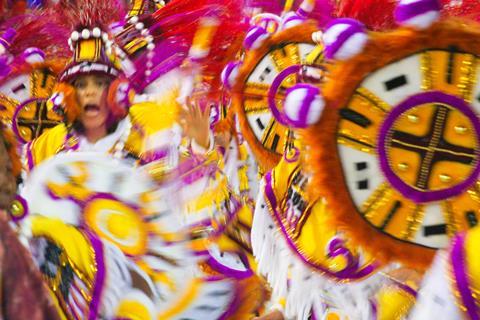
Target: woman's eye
[(102, 83), (79, 85)]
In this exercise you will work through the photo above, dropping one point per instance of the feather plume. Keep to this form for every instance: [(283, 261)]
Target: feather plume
[(39, 29), (91, 13), (375, 14)]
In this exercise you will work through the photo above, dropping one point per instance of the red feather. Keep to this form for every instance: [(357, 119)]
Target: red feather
[(375, 14), (91, 13)]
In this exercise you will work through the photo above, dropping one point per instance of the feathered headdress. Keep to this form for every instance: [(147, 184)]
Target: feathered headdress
[(90, 41)]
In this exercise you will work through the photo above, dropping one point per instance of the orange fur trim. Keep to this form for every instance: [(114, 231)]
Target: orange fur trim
[(265, 158), (11, 145), (72, 109), (118, 111), (382, 49), (55, 66)]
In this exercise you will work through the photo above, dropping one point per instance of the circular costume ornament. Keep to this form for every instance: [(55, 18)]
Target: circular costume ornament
[(396, 151), (23, 101), (107, 197), (263, 78), (121, 205)]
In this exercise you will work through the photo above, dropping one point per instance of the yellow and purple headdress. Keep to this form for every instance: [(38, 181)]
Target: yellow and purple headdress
[(92, 54), (93, 50)]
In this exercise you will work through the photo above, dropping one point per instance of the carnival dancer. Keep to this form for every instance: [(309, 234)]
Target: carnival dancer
[(91, 126)]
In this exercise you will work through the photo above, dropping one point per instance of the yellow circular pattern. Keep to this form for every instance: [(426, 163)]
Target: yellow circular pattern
[(117, 223)]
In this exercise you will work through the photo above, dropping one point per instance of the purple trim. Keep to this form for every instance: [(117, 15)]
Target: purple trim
[(15, 115), (99, 282), (253, 35), (408, 11), (30, 162), (354, 26), (227, 72), (24, 204), (155, 155), (109, 196), (32, 51), (196, 172), (355, 275), (277, 82), (336, 247), (7, 37), (229, 272), (400, 185), (5, 68), (302, 13), (201, 253), (294, 157), (457, 257), (233, 306), (293, 18), (86, 67), (405, 287), (374, 306)]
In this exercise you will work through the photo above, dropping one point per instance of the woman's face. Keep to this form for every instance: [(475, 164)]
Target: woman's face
[(91, 91)]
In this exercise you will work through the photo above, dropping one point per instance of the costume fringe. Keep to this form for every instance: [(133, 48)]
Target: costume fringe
[(304, 289)]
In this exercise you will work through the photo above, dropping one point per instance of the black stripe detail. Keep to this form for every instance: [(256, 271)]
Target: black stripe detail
[(451, 64), (396, 82), (206, 308), (362, 184), (355, 117), (276, 138), (265, 73), (21, 86), (471, 218), (218, 293), (361, 165), (260, 124), (45, 74), (435, 230), (396, 206)]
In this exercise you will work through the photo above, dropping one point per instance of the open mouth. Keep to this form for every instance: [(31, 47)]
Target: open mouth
[(91, 109)]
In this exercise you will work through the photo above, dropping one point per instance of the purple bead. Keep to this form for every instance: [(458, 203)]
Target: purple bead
[(421, 13), (255, 37), (338, 32)]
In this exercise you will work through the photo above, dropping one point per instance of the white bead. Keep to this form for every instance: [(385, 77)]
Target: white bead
[(96, 32), (150, 46), (133, 19), (144, 32), (105, 36), (139, 26), (149, 39), (85, 33), (75, 35)]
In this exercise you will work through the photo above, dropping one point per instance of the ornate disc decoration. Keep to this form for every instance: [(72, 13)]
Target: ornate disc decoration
[(263, 78), (116, 202), (23, 103), (123, 207), (397, 149)]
